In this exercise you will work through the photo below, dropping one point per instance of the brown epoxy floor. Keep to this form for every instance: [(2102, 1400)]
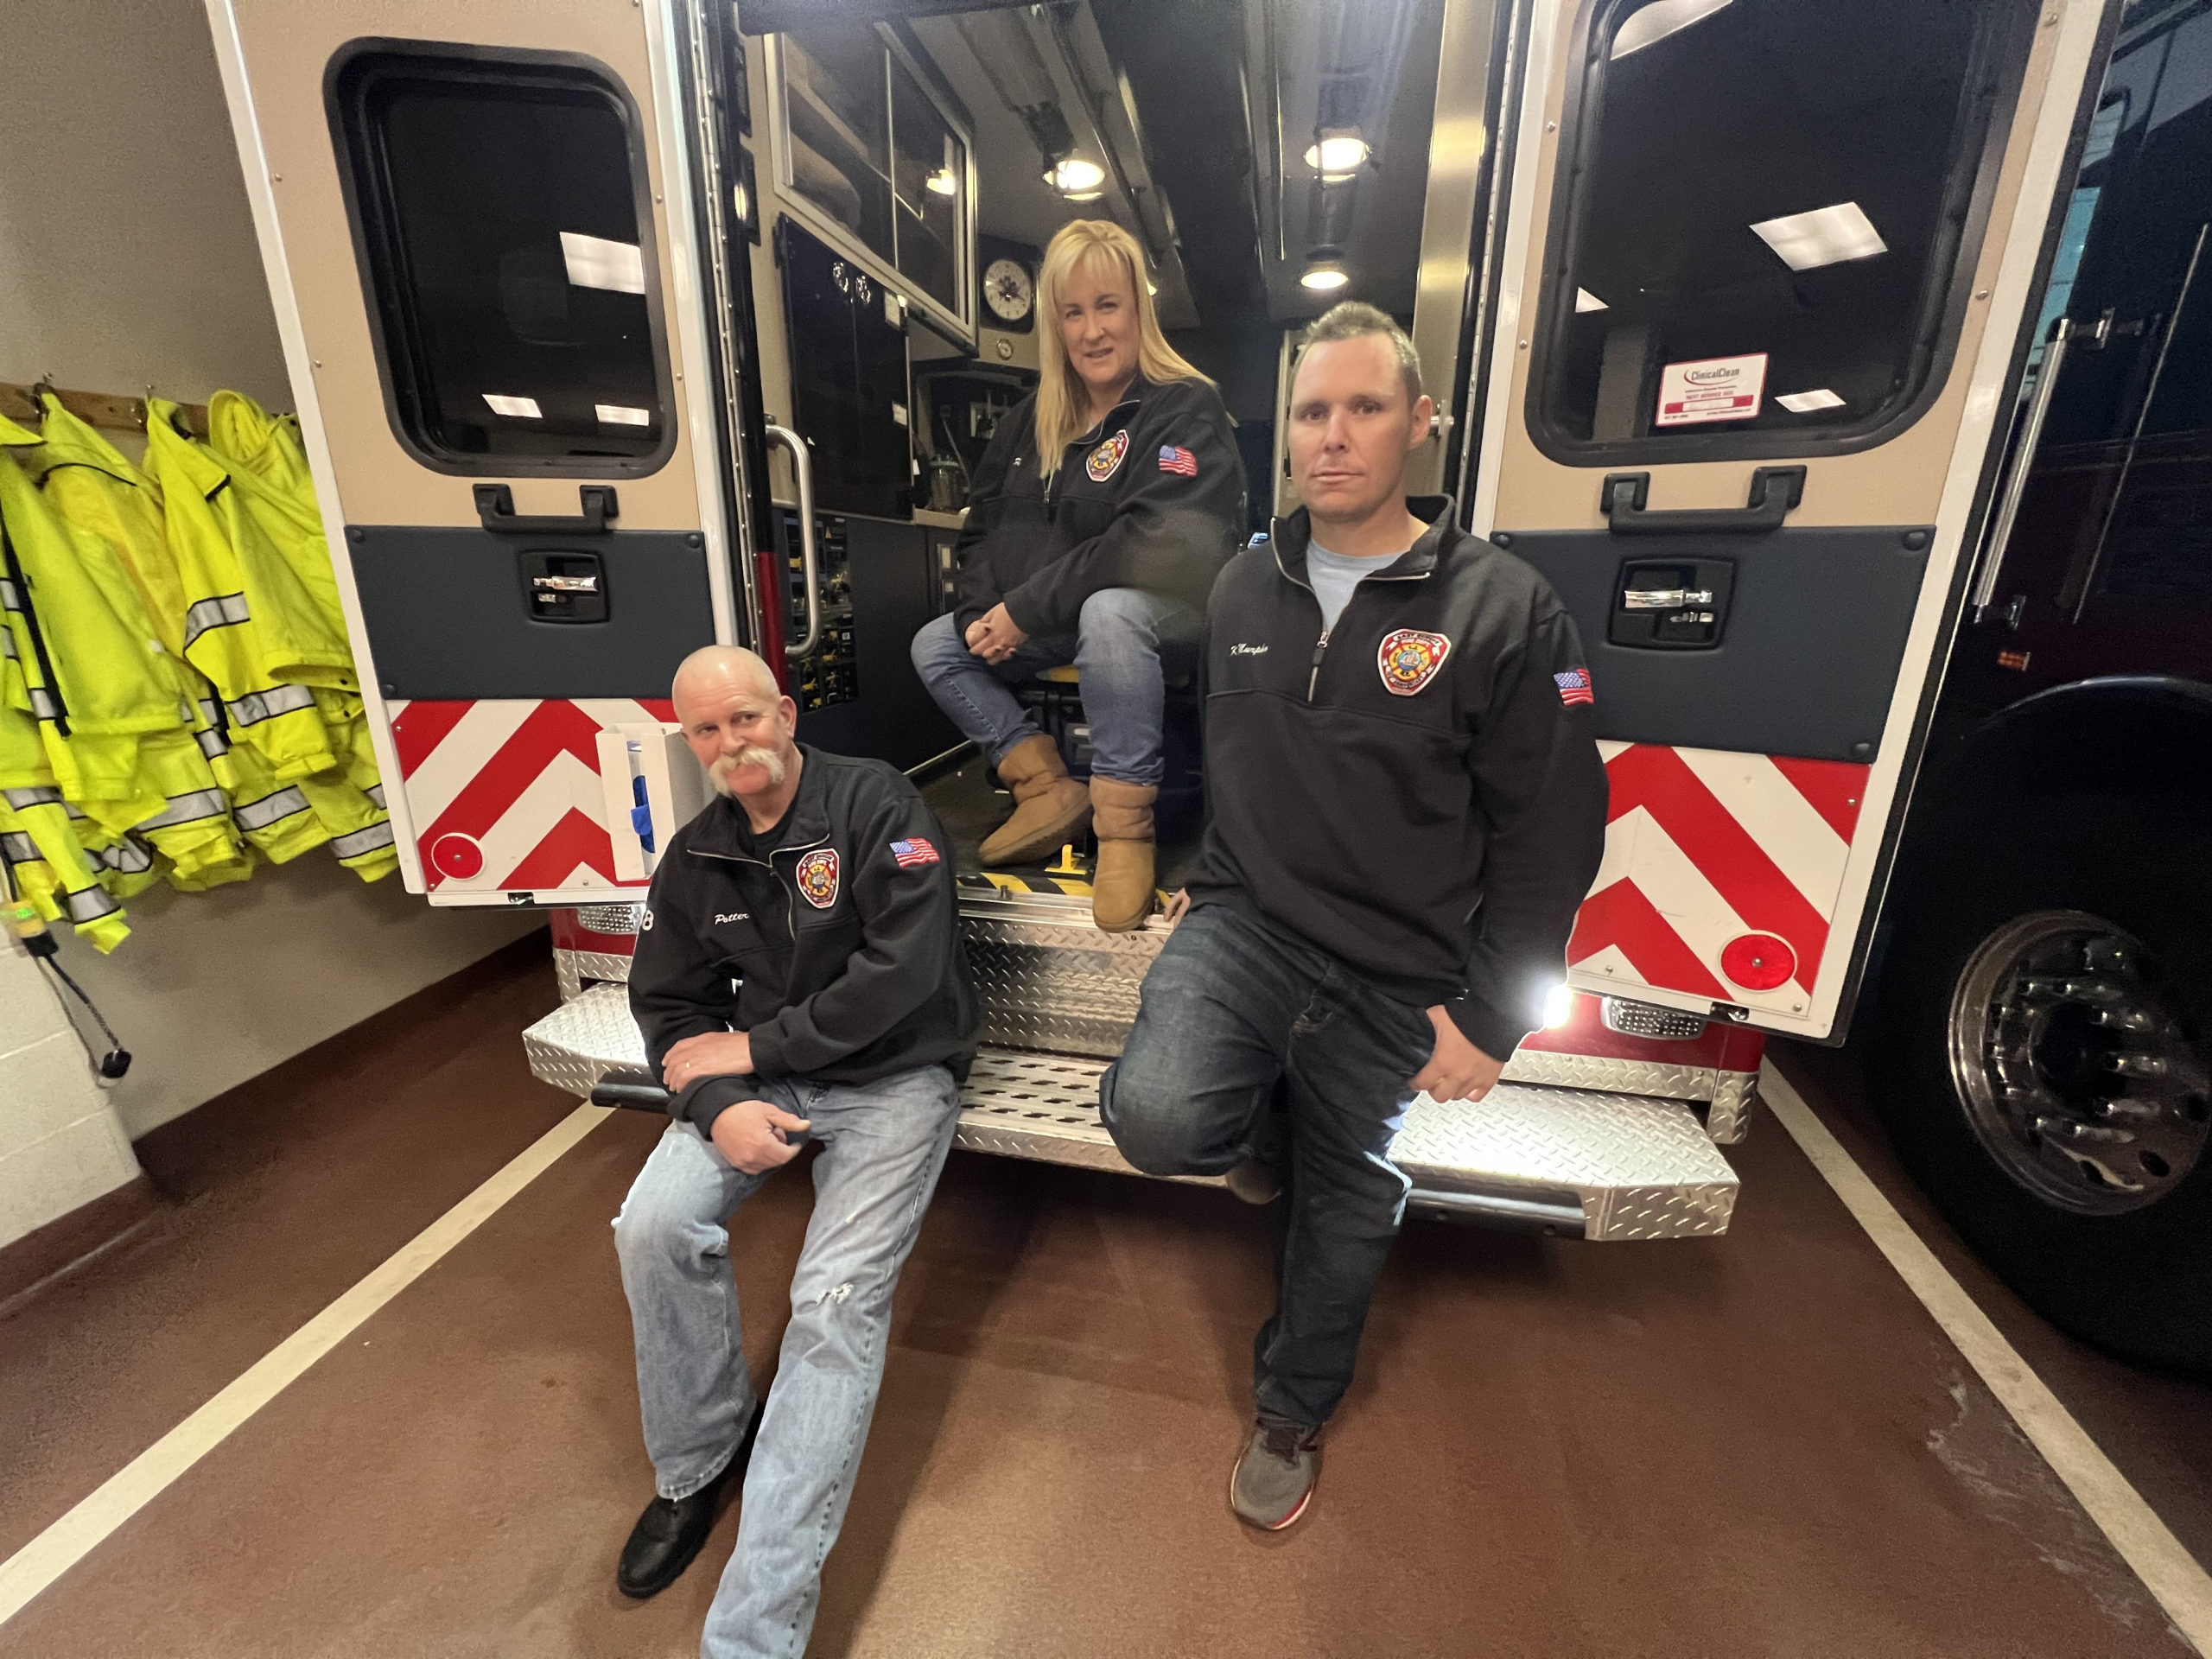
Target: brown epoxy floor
[(278, 1196), (1758, 1445), (2157, 1429)]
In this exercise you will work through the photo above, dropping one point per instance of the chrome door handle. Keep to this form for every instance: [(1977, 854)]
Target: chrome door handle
[(810, 558), (2015, 475)]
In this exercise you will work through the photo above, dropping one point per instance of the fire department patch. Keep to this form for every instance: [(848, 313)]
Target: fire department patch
[(818, 877), (1106, 460), (1409, 659)]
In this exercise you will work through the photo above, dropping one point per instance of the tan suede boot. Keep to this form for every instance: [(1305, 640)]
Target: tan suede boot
[(1050, 808), (1121, 888)]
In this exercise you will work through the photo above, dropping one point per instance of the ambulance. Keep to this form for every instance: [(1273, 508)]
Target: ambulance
[(617, 328)]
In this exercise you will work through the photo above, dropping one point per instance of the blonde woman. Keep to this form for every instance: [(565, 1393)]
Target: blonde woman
[(1099, 516)]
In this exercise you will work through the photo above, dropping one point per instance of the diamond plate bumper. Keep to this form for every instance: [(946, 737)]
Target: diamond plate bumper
[(1607, 1165), (1049, 979), (574, 969)]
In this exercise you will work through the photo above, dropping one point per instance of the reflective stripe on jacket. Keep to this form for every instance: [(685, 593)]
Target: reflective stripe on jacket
[(85, 662), (251, 625)]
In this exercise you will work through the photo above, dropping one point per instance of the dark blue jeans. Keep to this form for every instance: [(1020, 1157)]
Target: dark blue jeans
[(1128, 644), (1231, 1012)]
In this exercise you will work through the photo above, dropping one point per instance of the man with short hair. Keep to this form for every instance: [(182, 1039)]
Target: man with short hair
[(1407, 808), (797, 976)]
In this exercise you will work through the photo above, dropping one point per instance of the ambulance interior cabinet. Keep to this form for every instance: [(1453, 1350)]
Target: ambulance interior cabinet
[(860, 695)]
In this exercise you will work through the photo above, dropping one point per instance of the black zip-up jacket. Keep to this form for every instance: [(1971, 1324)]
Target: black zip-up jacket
[(860, 974), (1418, 790), (1152, 497)]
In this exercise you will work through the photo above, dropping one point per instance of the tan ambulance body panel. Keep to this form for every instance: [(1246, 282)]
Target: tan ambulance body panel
[(288, 48), (1925, 472)]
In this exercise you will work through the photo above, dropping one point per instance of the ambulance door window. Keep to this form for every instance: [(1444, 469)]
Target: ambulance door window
[(498, 202), (1775, 190)]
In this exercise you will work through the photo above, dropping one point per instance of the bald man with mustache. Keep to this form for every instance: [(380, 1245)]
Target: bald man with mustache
[(798, 976)]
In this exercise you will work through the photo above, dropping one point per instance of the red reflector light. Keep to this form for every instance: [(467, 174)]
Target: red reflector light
[(1758, 962)]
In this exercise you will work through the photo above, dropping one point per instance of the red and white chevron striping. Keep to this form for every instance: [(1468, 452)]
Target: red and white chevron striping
[(504, 794), (1721, 874)]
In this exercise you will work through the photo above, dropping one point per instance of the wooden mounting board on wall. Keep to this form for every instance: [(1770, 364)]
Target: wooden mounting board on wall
[(105, 409)]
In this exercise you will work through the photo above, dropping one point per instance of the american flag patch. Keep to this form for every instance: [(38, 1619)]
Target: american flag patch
[(1175, 459), (1575, 686), (911, 852)]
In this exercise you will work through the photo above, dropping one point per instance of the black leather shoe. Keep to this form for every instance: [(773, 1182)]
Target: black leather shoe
[(666, 1538)]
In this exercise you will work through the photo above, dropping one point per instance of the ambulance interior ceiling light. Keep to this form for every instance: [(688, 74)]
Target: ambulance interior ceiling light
[(1337, 156), (515, 408), (595, 261), (1804, 402), (1077, 178), (1324, 276), (1826, 236), (1656, 22), (944, 183), (1586, 300), (622, 415)]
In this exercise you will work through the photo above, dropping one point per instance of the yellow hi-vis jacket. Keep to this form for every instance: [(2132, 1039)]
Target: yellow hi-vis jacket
[(82, 659), (270, 469), (269, 472), (251, 626), (92, 487), (95, 487), (48, 862)]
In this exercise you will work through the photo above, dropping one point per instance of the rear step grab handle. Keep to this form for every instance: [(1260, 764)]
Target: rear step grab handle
[(1496, 1209), (637, 1096)]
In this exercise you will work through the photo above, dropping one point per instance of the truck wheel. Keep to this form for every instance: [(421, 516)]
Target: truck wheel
[(2040, 1041)]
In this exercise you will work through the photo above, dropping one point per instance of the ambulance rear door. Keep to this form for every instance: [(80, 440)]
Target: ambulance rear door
[(492, 256), (1756, 309)]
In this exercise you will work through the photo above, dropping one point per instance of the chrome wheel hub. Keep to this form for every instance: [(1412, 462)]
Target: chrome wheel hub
[(2074, 1070)]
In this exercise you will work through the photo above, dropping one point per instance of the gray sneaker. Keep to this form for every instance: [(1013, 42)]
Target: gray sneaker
[(1274, 1479)]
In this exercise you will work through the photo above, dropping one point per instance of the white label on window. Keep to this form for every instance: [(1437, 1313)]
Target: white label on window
[(1711, 389), (898, 413)]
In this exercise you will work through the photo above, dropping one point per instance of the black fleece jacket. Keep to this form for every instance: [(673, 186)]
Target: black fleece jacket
[(1417, 791), (1152, 497), (862, 974)]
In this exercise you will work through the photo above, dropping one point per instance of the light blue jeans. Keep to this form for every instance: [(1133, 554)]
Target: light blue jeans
[(883, 1147), (1127, 643)]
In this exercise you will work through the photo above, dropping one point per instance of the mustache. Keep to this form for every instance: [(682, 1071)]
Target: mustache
[(768, 760)]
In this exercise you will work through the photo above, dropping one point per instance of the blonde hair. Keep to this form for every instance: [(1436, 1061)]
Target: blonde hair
[(1062, 401)]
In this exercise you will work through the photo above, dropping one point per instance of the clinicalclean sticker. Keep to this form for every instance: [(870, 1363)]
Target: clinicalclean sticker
[(1711, 389)]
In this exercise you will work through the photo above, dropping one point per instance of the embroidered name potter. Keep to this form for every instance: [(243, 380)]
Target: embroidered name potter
[(733, 916)]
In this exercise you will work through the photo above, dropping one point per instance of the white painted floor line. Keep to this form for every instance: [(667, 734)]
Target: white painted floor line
[(69, 1540), (2168, 1571)]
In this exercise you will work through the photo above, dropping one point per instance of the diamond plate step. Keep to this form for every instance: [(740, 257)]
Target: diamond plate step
[(1049, 979), (1605, 1166)]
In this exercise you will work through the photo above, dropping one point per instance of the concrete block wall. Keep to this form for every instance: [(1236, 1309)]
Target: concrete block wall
[(61, 1145)]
